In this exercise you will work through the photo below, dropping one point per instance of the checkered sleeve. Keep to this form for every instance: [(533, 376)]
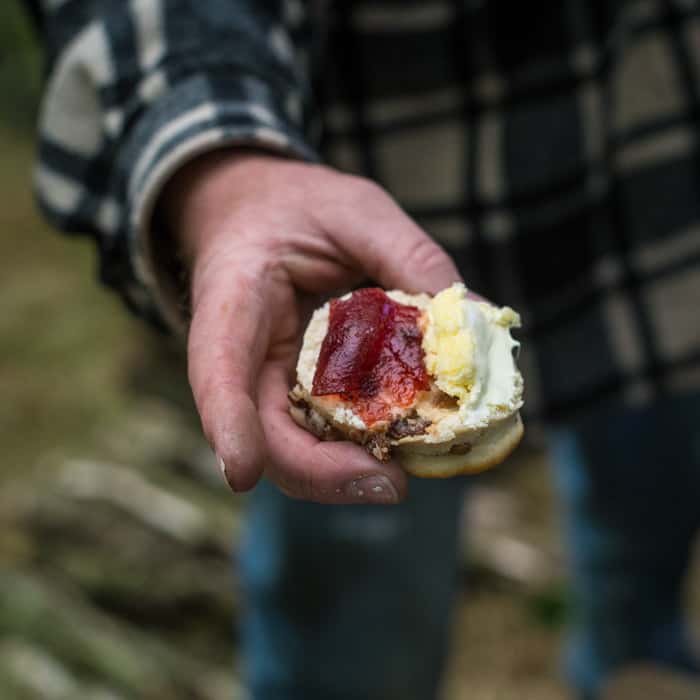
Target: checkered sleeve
[(138, 87)]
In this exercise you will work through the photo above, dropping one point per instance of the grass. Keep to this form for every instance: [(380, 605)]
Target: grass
[(63, 340)]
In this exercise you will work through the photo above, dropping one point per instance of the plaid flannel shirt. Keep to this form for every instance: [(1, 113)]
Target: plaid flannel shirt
[(551, 148)]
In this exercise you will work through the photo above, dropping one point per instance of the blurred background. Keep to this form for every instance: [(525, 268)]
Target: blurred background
[(118, 538)]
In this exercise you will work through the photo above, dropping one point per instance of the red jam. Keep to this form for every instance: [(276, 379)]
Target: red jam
[(371, 356)]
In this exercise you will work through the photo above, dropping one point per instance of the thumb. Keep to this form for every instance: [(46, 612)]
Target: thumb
[(387, 244)]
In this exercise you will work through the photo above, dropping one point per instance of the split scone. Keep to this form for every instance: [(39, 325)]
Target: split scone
[(431, 382)]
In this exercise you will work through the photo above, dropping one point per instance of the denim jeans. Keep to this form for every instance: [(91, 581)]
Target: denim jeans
[(353, 602), (349, 602), (629, 483)]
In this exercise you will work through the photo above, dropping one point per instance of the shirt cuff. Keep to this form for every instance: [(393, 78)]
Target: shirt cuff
[(197, 116)]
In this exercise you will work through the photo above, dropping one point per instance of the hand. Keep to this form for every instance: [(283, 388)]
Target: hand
[(266, 239)]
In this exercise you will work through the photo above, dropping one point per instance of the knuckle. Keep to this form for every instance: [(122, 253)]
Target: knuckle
[(210, 369), (213, 385), (300, 485), (343, 196), (427, 255), (364, 190)]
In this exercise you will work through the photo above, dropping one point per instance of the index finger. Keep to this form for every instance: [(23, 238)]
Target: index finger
[(227, 343)]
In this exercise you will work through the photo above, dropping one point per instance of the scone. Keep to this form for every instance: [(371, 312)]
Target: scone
[(431, 382)]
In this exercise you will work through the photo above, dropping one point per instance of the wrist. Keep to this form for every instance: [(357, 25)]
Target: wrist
[(200, 198)]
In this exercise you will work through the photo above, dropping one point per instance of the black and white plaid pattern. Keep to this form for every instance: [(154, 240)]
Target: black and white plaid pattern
[(138, 87), (553, 150)]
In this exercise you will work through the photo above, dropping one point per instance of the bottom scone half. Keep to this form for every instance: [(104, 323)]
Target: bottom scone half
[(429, 381)]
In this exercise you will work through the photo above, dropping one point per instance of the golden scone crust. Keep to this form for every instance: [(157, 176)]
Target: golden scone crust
[(494, 446)]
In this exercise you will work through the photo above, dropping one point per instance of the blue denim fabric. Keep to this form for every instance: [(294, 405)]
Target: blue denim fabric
[(630, 489), (349, 602), (353, 602)]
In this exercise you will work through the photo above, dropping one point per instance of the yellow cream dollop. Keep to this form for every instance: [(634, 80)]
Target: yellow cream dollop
[(448, 343), (454, 326)]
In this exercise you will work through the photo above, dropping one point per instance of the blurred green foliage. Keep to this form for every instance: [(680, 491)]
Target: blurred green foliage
[(551, 606), (20, 67)]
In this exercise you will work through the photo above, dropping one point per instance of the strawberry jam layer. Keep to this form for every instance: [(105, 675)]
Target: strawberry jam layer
[(371, 356)]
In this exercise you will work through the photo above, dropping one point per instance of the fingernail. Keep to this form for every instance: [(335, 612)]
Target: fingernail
[(222, 467), (372, 489)]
